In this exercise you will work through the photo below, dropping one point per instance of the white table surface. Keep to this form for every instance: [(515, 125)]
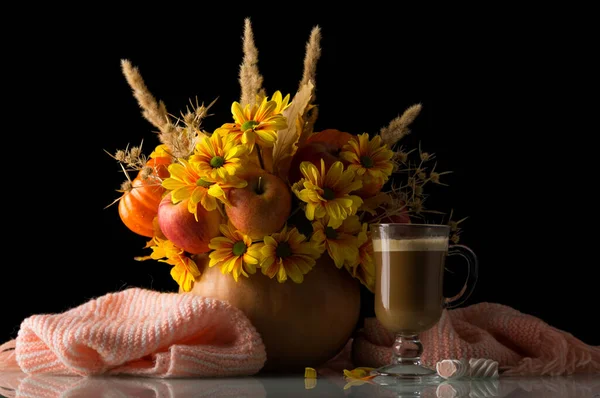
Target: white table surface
[(14, 384)]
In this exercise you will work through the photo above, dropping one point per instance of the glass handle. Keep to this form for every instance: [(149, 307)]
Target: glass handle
[(472, 272)]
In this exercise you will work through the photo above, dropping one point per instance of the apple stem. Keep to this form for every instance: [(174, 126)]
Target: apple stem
[(259, 188)]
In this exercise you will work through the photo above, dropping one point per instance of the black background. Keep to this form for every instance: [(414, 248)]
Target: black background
[(494, 113)]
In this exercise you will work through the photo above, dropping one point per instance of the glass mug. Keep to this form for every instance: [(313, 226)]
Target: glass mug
[(409, 277)]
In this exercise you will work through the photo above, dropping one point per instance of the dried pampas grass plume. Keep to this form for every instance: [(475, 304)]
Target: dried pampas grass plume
[(250, 79), (152, 110), (398, 128), (313, 53)]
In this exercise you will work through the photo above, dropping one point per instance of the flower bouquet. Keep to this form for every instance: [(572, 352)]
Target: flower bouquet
[(268, 213)]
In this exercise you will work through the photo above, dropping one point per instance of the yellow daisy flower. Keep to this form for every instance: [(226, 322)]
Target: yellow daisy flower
[(186, 181), (371, 160), (161, 151), (184, 271), (217, 157), (234, 252), (257, 124), (287, 253), (341, 243), (327, 193), (364, 270)]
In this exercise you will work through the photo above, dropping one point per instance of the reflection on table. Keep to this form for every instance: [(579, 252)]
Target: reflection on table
[(16, 384)]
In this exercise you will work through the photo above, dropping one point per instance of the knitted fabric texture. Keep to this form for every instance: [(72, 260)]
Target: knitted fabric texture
[(139, 332), (521, 344)]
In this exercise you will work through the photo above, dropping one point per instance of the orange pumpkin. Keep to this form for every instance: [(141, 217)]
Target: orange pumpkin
[(302, 324), (139, 206)]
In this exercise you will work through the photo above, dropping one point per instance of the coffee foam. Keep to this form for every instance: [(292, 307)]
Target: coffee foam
[(411, 244)]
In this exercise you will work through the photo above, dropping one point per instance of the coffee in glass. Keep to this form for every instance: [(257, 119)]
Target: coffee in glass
[(409, 279)]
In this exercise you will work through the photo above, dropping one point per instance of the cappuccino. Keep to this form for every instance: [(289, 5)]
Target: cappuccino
[(409, 283)]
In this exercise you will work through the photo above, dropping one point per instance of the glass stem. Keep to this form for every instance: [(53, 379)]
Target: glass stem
[(407, 350)]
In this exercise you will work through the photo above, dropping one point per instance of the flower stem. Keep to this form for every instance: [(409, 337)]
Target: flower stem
[(260, 159)]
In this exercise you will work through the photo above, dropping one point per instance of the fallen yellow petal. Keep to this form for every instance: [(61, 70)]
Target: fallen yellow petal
[(361, 373), (358, 376), (310, 373), (310, 378)]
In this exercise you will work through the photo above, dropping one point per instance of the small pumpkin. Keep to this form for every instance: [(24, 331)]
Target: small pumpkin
[(139, 206)]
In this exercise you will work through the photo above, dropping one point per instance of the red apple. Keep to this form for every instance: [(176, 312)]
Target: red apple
[(262, 207), (180, 226)]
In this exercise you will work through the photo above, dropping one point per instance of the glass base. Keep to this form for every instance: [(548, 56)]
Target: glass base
[(406, 371)]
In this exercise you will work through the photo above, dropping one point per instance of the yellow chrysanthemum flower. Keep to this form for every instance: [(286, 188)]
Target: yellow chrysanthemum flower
[(218, 157), (161, 151), (364, 270), (184, 271), (234, 252), (327, 193), (186, 181), (257, 124), (341, 243), (287, 253), (370, 159)]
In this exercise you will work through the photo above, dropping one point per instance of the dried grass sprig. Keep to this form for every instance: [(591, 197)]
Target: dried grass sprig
[(313, 53), (455, 228), (409, 195), (132, 159), (193, 117), (398, 128), (152, 110), (250, 79), (155, 112)]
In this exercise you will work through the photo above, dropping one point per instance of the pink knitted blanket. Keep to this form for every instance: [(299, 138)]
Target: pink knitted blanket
[(139, 332), (143, 332), (522, 344)]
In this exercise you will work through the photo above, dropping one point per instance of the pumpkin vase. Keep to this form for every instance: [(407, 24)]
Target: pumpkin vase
[(302, 324)]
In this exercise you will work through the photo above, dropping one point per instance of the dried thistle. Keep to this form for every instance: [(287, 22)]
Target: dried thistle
[(193, 117), (250, 79), (455, 229), (398, 128), (130, 158), (181, 141)]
